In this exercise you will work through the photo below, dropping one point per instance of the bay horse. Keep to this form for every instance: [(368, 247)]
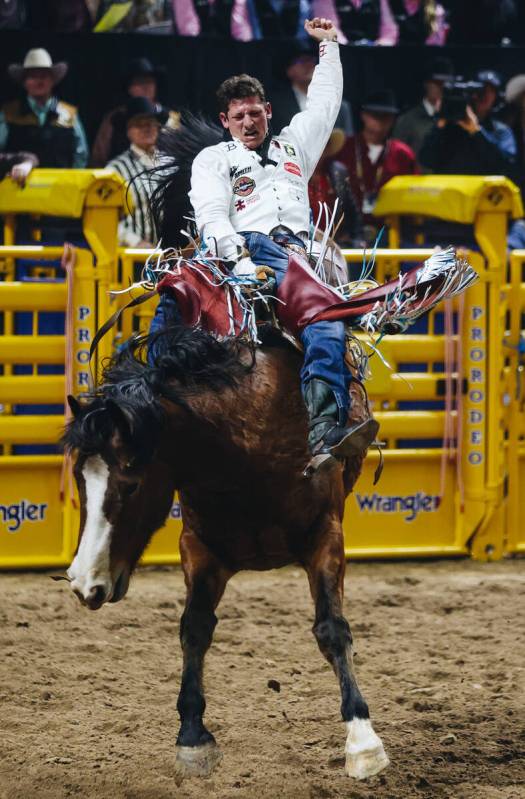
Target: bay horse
[(224, 425)]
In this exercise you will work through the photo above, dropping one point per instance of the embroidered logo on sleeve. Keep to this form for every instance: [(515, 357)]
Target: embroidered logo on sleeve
[(322, 50), (240, 205), (243, 186), (294, 169), (289, 150)]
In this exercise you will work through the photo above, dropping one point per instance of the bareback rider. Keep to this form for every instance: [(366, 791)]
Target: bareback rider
[(249, 194)]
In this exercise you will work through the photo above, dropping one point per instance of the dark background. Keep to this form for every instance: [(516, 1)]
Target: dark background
[(195, 66)]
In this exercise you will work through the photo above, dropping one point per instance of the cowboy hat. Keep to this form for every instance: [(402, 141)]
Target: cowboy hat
[(335, 142), (141, 107), (381, 102), (440, 69), (142, 68), (38, 58)]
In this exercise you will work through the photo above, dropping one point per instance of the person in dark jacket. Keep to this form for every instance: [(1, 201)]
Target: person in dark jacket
[(141, 79), (39, 122), (413, 126), (291, 98), (463, 147), (484, 103)]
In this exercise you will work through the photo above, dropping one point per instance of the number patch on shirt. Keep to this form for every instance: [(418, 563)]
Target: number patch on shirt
[(294, 169), (243, 186)]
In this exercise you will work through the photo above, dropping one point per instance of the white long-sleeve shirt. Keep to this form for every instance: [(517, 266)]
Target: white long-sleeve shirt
[(230, 189)]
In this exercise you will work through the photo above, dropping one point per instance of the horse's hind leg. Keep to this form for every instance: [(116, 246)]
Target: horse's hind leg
[(197, 752), (325, 566)]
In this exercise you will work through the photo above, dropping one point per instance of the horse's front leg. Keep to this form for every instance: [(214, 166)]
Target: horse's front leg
[(197, 752), (365, 755)]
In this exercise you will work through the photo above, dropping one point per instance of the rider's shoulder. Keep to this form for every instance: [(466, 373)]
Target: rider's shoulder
[(216, 151)]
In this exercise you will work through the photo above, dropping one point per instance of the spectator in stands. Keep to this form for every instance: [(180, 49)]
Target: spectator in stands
[(13, 14), (357, 21), (143, 122), (413, 22), (243, 20), (484, 104), (17, 166), (460, 145), (329, 183), (288, 101), (142, 79), (413, 126), (372, 157), (40, 123), (62, 16), (515, 117), (487, 22)]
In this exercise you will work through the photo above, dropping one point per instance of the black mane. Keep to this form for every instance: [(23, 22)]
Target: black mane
[(169, 202), (186, 361)]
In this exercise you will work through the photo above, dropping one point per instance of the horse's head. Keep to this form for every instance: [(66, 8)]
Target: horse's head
[(124, 494)]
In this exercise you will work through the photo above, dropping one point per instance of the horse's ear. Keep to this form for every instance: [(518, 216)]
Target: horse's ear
[(119, 418), (74, 405)]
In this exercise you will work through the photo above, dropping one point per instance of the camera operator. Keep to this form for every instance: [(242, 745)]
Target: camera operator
[(485, 103), (463, 144)]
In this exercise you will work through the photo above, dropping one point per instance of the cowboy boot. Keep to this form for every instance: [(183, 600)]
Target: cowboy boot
[(329, 437)]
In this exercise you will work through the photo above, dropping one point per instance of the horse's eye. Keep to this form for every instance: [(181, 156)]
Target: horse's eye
[(128, 489)]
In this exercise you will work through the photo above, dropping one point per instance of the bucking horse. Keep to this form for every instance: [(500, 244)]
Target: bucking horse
[(222, 422)]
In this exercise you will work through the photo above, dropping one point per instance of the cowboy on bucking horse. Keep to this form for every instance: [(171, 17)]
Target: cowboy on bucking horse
[(249, 195)]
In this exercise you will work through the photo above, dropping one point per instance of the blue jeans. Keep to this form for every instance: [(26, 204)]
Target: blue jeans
[(324, 342)]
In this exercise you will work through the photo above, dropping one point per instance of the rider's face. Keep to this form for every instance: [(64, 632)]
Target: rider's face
[(247, 120)]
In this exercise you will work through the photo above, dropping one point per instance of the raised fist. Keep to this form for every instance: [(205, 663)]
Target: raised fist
[(321, 29)]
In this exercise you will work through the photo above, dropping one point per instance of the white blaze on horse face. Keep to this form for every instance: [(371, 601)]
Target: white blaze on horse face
[(91, 567), (365, 755)]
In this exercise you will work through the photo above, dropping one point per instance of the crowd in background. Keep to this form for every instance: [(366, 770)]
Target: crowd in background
[(367, 22), (457, 127)]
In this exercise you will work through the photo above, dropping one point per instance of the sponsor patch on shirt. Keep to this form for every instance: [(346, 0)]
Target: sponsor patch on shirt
[(243, 186), (235, 172), (294, 169), (241, 205), (288, 149)]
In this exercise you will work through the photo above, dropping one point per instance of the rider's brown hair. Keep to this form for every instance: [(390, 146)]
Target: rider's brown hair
[(238, 87)]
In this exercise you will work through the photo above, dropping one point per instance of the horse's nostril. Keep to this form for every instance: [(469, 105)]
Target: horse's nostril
[(97, 595)]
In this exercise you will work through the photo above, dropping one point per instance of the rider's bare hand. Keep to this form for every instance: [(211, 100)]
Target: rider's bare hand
[(321, 29)]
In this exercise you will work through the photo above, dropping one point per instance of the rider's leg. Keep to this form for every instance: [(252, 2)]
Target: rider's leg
[(325, 379)]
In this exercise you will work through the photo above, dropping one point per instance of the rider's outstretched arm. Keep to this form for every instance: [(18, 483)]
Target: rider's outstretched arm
[(311, 128)]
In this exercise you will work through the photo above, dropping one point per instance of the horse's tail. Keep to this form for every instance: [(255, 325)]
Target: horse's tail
[(169, 201)]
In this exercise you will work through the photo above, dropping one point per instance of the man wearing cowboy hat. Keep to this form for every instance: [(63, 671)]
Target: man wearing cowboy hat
[(40, 123), (372, 157), (143, 121), (141, 79)]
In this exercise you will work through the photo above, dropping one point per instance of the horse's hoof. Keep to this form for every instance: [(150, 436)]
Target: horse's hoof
[(365, 754), (366, 764), (197, 761)]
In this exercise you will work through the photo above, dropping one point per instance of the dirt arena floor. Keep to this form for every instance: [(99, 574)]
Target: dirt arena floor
[(88, 700)]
